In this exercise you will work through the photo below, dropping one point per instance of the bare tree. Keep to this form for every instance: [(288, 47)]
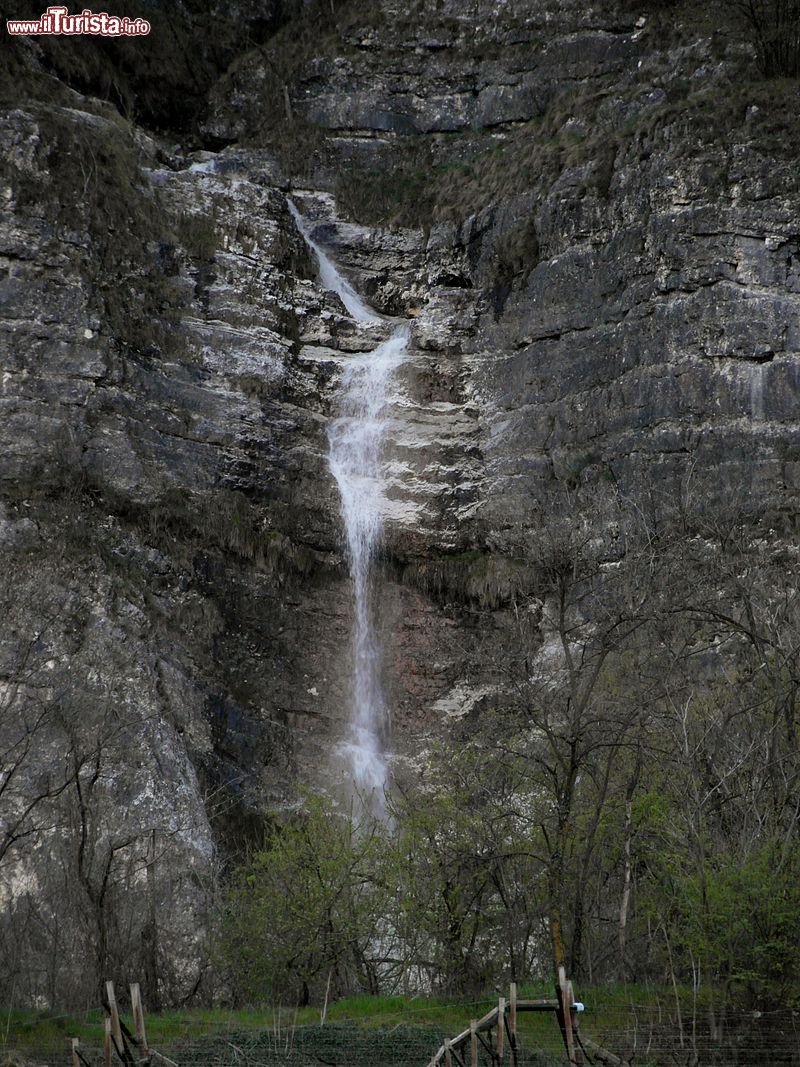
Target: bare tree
[(596, 575), (774, 29), (99, 825)]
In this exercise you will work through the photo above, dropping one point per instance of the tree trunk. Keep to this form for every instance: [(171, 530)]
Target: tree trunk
[(625, 900)]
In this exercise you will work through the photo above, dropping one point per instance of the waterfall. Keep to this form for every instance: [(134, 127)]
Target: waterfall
[(356, 439)]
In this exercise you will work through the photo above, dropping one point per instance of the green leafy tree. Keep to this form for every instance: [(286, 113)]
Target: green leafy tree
[(304, 913)]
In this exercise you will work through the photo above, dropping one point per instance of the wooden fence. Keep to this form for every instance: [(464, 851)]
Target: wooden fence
[(130, 1048), (463, 1049), (495, 1031)]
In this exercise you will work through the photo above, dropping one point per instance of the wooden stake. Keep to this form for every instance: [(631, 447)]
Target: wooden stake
[(138, 1018), (473, 1043), (162, 1058), (501, 1028), (512, 1032), (570, 1002), (448, 1055), (107, 1041), (573, 1018), (116, 1030), (565, 1016), (75, 1058), (602, 1055), (324, 1012)]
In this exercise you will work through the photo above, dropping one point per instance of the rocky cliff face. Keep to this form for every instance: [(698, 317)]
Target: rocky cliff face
[(594, 237)]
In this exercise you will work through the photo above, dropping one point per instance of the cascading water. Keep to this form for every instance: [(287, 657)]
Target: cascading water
[(356, 439)]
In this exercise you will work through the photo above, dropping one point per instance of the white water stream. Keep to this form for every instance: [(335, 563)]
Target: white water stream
[(356, 439)]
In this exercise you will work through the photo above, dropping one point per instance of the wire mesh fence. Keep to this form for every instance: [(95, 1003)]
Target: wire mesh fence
[(329, 1045), (640, 1034)]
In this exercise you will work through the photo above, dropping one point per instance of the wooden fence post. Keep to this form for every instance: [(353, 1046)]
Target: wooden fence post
[(512, 1021), (577, 1050), (116, 1031), (448, 1055), (138, 1018), (501, 1028), (107, 1041), (76, 1062), (565, 1018), (473, 1043)]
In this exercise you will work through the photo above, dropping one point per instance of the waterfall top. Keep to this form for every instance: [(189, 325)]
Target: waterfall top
[(330, 277)]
